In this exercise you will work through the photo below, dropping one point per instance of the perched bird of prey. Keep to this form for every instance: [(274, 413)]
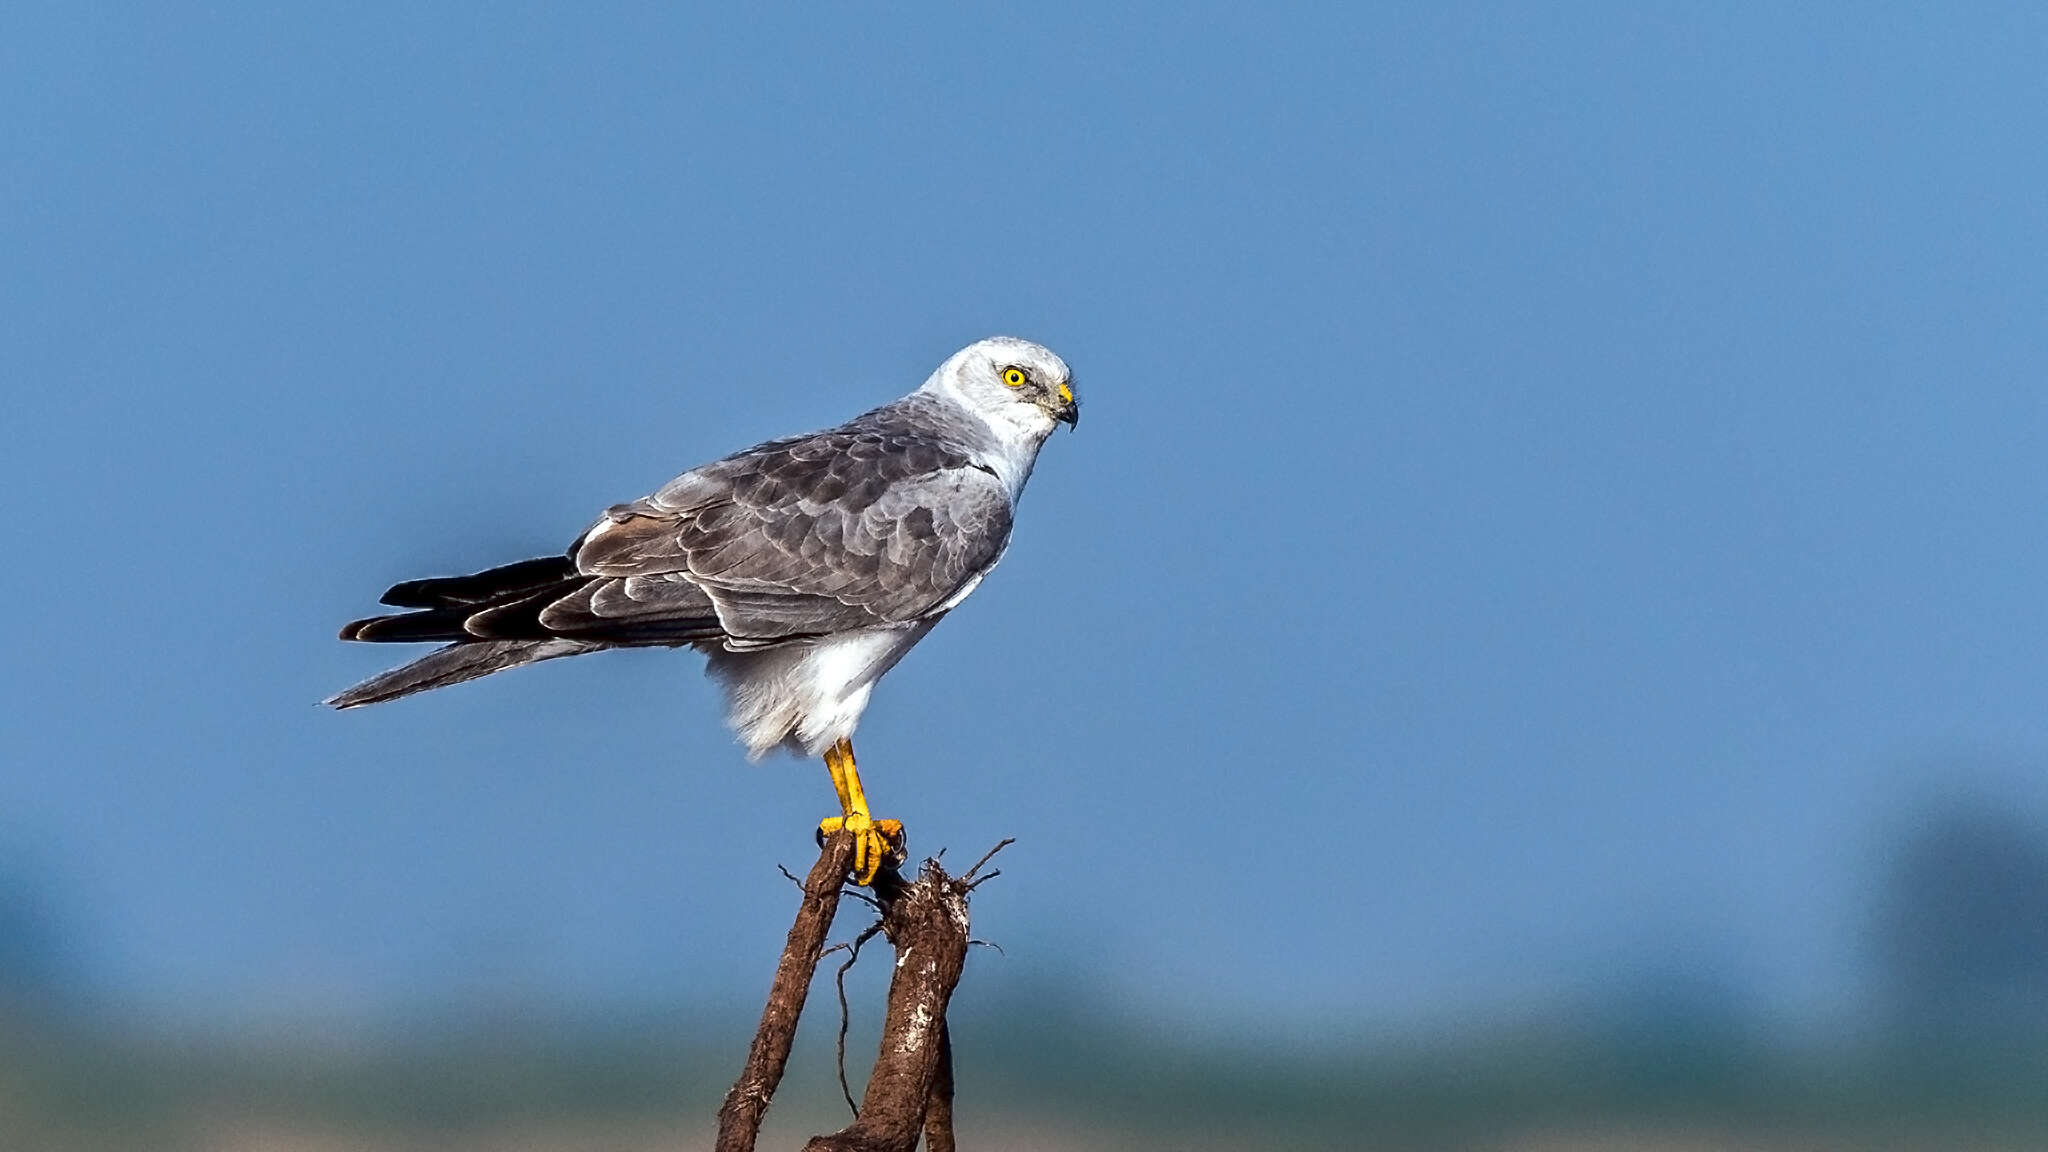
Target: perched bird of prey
[(804, 568)]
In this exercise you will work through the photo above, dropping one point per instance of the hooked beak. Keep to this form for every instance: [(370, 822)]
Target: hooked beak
[(1069, 411)]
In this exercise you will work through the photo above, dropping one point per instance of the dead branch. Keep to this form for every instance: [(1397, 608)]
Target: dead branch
[(926, 922), (739, 1119), (910, 1089)]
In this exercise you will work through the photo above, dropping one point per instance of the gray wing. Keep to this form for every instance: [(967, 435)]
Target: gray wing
[(859, 526), (882, 520)]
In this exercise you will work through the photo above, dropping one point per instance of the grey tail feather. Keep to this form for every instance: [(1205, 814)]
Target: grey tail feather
[(454, 664)]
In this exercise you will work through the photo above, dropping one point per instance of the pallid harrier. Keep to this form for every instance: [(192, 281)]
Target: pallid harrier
[(804, 568)]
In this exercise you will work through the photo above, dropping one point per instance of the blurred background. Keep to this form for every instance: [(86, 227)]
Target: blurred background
[(1539, 642)]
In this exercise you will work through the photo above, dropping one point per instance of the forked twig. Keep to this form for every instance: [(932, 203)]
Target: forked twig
[(845, 1014), (1005, 842)]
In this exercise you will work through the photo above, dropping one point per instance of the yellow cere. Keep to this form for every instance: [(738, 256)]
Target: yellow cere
[(1014, 377), (1066, 394)]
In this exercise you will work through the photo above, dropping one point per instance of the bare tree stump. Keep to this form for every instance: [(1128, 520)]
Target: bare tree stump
[(910, 1089)]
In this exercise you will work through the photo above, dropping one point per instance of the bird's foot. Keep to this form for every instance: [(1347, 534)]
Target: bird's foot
[(875, 843)]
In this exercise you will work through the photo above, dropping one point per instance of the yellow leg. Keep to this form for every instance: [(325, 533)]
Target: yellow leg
[(837, 762), (874, 841)]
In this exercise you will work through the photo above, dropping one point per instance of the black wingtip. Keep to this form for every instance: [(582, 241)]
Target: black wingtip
[(410, 594), (409, 627), (479, 587)]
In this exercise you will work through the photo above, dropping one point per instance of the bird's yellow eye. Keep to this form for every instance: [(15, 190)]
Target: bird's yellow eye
[(1014, 377)]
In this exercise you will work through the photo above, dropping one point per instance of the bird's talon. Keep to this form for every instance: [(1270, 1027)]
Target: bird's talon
[(875, 843)]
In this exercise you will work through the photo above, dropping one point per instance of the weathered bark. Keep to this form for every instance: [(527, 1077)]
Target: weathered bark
[(938, 1112)]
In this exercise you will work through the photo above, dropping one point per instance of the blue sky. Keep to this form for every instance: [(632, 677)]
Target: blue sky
[(1558, 491)]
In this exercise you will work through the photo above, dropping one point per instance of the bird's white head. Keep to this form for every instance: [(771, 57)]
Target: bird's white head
[(1020, 388)]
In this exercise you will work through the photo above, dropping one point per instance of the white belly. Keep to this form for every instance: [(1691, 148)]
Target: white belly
[(808, 696)]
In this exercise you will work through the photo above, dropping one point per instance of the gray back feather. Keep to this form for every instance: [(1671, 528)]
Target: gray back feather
[(878, 521)]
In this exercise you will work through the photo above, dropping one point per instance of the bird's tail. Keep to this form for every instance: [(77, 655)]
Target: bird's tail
[(454, 664)]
